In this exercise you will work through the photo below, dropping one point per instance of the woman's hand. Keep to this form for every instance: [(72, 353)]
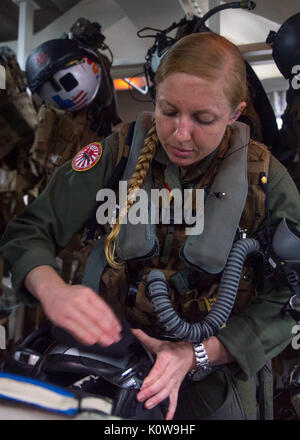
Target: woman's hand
[(173, 361), (77, 309), (82, 312)]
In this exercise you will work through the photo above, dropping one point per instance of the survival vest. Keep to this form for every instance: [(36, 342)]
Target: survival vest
[(194, 264)]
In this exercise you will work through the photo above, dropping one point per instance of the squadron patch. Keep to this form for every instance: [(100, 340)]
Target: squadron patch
[(87, 157)]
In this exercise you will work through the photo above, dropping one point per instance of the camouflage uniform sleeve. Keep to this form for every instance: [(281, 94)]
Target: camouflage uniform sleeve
[(258, 334), (46, 226)]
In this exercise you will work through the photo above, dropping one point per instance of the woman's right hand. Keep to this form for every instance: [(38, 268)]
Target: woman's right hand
[(77, 309)]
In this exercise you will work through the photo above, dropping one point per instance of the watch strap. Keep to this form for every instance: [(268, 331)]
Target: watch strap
[(202, 367)]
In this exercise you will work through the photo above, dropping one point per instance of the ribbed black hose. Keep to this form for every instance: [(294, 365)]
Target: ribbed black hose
[(218, 315)]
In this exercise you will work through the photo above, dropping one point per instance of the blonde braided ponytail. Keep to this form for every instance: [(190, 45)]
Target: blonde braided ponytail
[(136, 182)]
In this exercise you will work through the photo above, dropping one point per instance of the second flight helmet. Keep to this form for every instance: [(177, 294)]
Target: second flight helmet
[(286, 46), (64, 74)]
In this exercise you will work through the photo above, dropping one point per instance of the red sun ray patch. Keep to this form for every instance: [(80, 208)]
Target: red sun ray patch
[(87, 157)]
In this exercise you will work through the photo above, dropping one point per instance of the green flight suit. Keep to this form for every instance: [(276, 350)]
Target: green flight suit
[(253, 337), (291, 135)]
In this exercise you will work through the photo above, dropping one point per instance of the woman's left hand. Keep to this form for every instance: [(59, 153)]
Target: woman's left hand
[(173, 361)]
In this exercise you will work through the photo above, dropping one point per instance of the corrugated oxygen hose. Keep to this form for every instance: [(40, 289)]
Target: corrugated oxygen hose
[(196, 332)]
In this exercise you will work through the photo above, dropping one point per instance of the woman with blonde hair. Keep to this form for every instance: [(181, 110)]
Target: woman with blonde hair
[(191, 142)]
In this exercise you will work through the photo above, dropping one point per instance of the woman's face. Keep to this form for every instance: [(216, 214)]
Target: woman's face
[(191, 117)]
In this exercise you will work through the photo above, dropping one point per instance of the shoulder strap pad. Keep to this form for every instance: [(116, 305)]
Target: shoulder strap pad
[(258, 171)]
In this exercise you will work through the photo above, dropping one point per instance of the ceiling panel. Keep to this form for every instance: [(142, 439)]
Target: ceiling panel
[(275, 10), (49, 11), (155, 13)]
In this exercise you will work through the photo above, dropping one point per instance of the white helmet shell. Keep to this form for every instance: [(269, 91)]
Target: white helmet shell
[(73, 87)]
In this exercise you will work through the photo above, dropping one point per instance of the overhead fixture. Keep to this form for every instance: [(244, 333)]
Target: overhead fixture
[(138, 83)]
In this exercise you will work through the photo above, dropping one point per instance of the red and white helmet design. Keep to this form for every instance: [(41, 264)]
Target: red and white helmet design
[(73, 87)]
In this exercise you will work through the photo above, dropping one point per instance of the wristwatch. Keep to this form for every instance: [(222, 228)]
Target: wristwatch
[(203, 367)]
